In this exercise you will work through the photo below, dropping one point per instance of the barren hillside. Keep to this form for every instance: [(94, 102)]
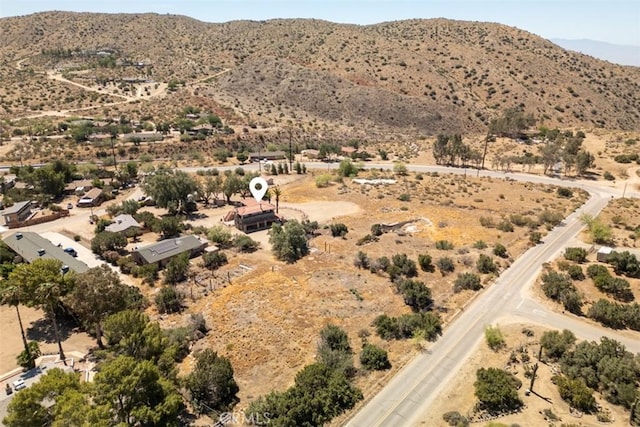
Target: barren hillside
[(411, 77)]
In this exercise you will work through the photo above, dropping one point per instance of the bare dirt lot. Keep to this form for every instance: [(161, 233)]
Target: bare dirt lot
[(267, 319)]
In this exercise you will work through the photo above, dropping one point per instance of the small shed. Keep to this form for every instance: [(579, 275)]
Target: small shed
[(603, 253)]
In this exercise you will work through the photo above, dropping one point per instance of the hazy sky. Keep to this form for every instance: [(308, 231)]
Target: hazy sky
[(613, 21)]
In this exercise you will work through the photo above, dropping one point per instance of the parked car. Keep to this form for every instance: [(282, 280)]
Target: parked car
[(71, 252), (19, 384), (69, 205)]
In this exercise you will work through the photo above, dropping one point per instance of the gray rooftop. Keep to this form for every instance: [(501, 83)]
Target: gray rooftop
[(31, 246), (166, 249), (17, 207), (121, 223)]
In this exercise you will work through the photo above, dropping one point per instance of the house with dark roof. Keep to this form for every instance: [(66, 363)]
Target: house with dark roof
[(255, 217), (122, 224), (31, 246), (266, 155), (17, 213), (164, 251)]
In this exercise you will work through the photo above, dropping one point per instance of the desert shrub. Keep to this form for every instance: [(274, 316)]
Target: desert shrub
[(426, 263), (454, 419), (535, 237), (575, 272), (445, 265), (550, 218), (487, 222), (416, 294), (220, 235), (576, 393), (361, 260), (467, 281), (497, 390), (245, 243), (505, 226), (559, 288), (323, 180), (485, 264), (555, 344), (404, 197), (624, 263), (480, 244), (374, 358), (338, 230), (444, 245), (427, 325), (608, 176), (406, 266), (494, 338), (366, 239), (575, 254), (213, 260), (564, 192), (500, 250), (376, 230), (169, 300)]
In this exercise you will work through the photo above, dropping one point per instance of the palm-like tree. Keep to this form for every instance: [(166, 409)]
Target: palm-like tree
[(49, 295), (277, 193)]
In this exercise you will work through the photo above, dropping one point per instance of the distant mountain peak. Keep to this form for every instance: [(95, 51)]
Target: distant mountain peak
[(616, 53)]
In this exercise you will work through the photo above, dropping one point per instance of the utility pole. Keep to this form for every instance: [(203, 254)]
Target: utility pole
[(484, 154), (290, 152)]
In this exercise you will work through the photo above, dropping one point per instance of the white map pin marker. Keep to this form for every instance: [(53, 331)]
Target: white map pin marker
[(258, 194)]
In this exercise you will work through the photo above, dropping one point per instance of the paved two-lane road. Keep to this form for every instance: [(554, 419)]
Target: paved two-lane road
[(406, 398)]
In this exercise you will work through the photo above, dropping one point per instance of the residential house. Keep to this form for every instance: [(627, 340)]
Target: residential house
[(93, 197), (143, 137), (204, 129), (122, 224), (311, 154), (164, 251), (267, 155), (31, 246), (18, 212), (256, 217), (348, 151), (78, 187)]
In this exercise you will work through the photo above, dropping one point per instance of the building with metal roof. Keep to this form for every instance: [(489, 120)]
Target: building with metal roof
[(162, 252), (31, 246)]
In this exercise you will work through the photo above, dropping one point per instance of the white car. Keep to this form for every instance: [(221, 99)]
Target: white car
[(19, 384)]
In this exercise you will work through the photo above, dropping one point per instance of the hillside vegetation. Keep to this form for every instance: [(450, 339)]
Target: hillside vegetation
[(406, 77)]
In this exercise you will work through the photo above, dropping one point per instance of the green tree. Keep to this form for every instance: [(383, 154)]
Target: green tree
[(426, 263), (130, 333), (347, 168), (416, 294), (170, 226), (211, 385), (338, 229), (556, 344), (107, 241), (334, 350), (374, 358), (576, 393), (134, 392), (242, 156), (176, 270), (26, 409), (43, 284), (98, 293), (319, 395), (171, 190), (575, 254), (289, 242), (27, 358), (497, 390), (512, 122)]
